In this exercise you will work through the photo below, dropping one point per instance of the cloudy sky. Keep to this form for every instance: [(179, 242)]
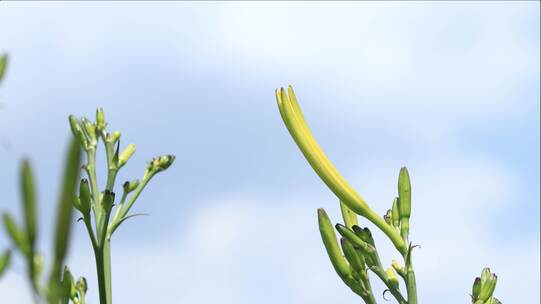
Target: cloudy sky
[(450, 90)]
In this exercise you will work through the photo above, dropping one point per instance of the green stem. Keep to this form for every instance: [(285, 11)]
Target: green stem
[(394, 291), (101, 276), (411, 285), (107, 270)]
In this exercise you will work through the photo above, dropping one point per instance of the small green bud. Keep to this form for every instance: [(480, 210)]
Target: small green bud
[(395, 213), (130, 186), (107, 200), (125, 155), (113, 137), (387, 217), (38, 264), (487, 287), (81, 285), (160, 163), (100, 120), (84, 197), (364, 234), (404, 193), (90, 129), (476, 288), (77, 131), (68, 283), (393, 279), (398, 268)]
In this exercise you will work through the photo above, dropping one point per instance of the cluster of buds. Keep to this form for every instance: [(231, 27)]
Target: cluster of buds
[(75, 290), (100, 203), (483, 288), (399, 214)]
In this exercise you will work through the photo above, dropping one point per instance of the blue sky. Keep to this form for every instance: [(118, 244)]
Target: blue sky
[(451, 90)]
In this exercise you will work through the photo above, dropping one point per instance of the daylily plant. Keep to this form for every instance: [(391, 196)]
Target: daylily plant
[(356, 254)]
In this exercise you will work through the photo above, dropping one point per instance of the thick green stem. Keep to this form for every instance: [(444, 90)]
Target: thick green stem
[(107, 270), (411, 285), (98, 253)]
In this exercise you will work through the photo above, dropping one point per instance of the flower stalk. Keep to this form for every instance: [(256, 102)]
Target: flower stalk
[(103, 202), (357, 251)]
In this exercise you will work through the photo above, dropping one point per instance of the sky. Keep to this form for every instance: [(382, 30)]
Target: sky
[(449, 89)]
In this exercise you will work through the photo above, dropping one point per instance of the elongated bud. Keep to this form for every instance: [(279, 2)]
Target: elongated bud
[(100, 120), (476, 288), (77, 130), (160, 163), (350, 218), (125, 155), (354, 239), (130, 186), (90, 129), (107, 200), (404, 193), (398, 268), (391, 275), (395, 213), (84, 197), (364, 234), (355, 260), (68, 283), (331, 245), (487, 288)]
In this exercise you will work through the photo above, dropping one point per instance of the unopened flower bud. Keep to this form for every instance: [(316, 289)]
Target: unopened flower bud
[(90, 129), (107, 200), (404, 193), (395, 213), (100, 120), (114, 137), (392, 277), (130, 186), (84, 197), (125, 155), (81, 285), (77, 130)]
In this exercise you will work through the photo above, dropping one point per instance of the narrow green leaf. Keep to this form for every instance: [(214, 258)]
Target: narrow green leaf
[(16, 234), (3, 64), (29, 202), (4, 261), (64, 213)]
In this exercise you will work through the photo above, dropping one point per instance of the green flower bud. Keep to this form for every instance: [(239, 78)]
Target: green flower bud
[(130, 186), (387, 217), (77, 131), (113, 137), (84, 197), (393, 279), (38, 264), (125, 155), (395, 213), (398, 268), (476, 288), (68, 283), (107, 200), (404, 193), (331, 245), (100, 120), (160, 163), (487, 287), (364, 234), (81, 286), (355, 259), (90, 129)]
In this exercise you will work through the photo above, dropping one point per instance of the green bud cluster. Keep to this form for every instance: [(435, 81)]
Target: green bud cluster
[(357, 253), (483, 288), (100, 204)]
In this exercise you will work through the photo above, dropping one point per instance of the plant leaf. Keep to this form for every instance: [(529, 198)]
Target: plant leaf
[(29, 202), (4, 261)]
